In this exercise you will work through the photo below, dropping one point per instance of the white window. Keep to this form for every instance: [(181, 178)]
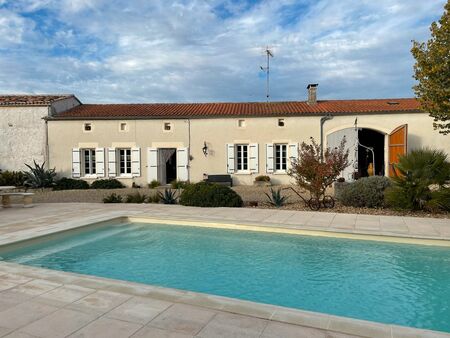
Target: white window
[(89, 161), (280, 122), (280, 155), (124, 161), (241, 157), (87, 127), (241, 123), (167, 126)]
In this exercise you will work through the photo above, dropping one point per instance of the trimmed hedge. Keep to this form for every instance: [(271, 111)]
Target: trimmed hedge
[(70, 184), (365, 192), (111, 183), (205, 194)]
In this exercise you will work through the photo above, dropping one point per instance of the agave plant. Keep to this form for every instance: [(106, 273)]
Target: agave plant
[(39, 177), (169, 196), (276, 198)]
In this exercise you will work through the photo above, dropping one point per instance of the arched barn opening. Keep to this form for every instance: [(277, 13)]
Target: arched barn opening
[(370, 152)]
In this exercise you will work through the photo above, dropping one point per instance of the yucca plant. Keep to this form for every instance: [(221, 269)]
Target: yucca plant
[(276, 198), (419, 180), (169, 196), (39, 177)]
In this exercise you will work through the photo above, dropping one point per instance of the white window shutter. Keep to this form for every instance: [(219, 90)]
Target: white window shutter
[(76, 163), (152, 164), (182, 164), (100, 162), (112, 167), (136, 162), (292, 152), (230, 158), (254, 158), (269, 158)]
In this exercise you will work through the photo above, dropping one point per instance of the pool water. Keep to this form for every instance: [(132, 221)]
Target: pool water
[(385, 282)]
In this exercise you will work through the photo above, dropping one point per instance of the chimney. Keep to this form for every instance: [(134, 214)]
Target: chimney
[(312, 93)]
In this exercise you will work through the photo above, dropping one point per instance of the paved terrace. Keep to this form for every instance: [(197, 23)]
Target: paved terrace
[(37, 302)]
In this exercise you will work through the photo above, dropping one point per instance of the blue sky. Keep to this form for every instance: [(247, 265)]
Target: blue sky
[(201, 51)]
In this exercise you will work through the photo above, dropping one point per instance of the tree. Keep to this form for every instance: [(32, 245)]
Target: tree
[(432, 70), (314, 174)]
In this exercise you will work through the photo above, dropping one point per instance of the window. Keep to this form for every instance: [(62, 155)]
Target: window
[(241, 157), (241, 123), (125, 161), (123, 126), (280, 157), (280, 122), (87, 127), (89, 161), (167, 126)]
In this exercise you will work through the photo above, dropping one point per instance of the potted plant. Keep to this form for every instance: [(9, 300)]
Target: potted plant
[(262, 181)]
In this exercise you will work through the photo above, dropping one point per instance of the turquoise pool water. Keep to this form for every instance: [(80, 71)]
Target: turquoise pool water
[(384, 282)]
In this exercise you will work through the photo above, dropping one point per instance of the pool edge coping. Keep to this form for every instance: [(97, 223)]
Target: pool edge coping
[(340, 324)]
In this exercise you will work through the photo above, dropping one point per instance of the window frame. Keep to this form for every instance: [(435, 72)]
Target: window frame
[(242, 164), (167, 123), (281, 123), (280, 158), (91, 127), (127, 171), (89, 163)]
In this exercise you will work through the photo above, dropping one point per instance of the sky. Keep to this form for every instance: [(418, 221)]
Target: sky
[(211, 51)]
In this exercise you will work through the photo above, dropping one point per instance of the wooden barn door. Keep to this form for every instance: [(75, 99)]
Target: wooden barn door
[(397, 145)]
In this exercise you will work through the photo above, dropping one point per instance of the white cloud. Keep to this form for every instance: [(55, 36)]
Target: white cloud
[(185, 51)]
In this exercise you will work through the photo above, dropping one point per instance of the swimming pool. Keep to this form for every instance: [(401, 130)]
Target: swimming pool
[(391, 283)]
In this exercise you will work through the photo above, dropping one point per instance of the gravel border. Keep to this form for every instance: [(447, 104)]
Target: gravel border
[(251, 195)]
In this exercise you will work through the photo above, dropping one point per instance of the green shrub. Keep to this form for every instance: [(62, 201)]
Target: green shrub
[(111, 183), (205, 194), (39, 177), (113, 198), (276, 198), (70, 184), (365, 192), (14, 178), (154, 184), (136, 198), (176, 184), (419, 181), (262, 178), (169, 196), (156, 198)]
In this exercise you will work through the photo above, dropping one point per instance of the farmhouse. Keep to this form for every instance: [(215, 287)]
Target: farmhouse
[(139, 143)]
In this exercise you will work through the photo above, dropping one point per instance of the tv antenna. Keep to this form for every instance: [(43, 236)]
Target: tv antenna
[(269, 54)]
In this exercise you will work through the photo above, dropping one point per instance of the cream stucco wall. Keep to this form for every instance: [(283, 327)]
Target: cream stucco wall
[(217, 132)]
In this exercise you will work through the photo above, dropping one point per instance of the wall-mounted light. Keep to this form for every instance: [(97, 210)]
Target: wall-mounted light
[(205, 149)]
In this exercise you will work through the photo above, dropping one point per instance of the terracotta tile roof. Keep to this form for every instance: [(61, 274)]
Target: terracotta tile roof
[(181, 110), (30, 100)]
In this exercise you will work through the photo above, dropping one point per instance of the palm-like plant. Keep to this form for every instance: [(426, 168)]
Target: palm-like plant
[(417, 176), (39, 177), (276, 198), (169, 196)]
